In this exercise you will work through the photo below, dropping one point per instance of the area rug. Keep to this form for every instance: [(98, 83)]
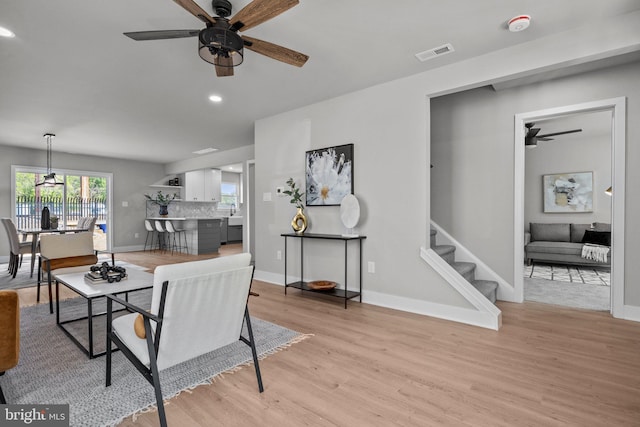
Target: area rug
[(23, 278), (52, 370), (567, 294), (569, 273)]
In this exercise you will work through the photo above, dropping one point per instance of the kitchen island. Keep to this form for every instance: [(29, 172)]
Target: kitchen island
[(203, 234)]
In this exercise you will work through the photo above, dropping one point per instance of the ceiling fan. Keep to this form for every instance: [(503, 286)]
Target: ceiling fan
[(220, 44), (531, 138)]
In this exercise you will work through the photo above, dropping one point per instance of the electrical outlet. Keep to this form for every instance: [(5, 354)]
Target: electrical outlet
[(371, 267), (278, 255), (137, 235), (266, 197), (125, 204)]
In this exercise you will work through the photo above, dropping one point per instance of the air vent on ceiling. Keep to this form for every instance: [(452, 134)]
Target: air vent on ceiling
[(436, 51)]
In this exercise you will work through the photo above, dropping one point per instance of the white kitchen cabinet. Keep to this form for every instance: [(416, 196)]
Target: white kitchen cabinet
[(202, 185)]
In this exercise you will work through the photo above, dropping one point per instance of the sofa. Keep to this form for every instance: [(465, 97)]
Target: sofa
[(562, 243)]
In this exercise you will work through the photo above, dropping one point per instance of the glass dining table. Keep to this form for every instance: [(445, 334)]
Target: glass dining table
[(36, 232)]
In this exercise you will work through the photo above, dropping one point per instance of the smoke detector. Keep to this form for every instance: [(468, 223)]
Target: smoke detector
[(519, 23)]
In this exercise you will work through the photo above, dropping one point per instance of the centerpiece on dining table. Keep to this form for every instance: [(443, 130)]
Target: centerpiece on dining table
[(162, 200)]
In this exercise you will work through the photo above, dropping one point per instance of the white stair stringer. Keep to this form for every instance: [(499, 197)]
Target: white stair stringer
[(505, 292), (486, 314)]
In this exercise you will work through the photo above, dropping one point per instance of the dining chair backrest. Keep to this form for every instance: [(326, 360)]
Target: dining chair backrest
[(12, 232), (148, 226), (65, 245)]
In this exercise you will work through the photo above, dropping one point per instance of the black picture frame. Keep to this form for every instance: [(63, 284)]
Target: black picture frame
[(329, 175)]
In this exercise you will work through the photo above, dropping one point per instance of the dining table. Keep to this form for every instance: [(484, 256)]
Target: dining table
[(36, 232)]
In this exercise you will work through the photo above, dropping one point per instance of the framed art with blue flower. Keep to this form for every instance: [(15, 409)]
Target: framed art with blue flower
[(329, 174)]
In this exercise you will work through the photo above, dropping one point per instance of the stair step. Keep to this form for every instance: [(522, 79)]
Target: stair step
[(446, 252), (466, 270), (488, 288)]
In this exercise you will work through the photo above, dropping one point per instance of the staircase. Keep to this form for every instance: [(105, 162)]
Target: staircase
[(488, 288)]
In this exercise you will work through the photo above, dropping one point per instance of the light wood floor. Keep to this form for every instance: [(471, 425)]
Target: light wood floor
[(372, 366)]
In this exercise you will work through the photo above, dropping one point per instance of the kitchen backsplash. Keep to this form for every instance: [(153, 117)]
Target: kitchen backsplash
[(191, 210)]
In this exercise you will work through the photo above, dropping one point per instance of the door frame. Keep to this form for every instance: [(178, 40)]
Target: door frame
[(617, 106)]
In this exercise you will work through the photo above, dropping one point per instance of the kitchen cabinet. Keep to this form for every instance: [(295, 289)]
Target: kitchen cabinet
[(223, 230), (234, 233), (202, 185), (208, 236)]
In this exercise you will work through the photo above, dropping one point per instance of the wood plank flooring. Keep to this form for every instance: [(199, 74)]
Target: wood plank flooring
[(372, 366)]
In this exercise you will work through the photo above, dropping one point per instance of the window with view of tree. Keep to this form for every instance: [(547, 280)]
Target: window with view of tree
[(80, 196), (229, 195)]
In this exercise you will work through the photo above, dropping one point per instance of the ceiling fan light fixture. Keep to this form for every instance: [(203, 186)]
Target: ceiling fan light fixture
[(220, 47), (530, 142)]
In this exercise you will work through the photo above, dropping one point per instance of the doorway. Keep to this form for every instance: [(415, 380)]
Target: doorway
[(617, 108)]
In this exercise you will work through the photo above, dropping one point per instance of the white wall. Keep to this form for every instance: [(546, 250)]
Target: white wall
[(390, 127), (570, 153), (130, 183), (381, 123), (472, 150)]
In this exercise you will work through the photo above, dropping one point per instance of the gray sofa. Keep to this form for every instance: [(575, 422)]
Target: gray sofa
[(561, 243)]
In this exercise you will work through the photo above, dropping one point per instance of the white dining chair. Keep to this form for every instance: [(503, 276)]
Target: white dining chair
[(151, 232)]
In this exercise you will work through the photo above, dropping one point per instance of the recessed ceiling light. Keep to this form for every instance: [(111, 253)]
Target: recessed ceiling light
[(205, 150), (4, 32), (215, 98)]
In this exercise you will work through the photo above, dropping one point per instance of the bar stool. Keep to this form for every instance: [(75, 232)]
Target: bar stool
[(162, 241), (150, 232), (171, 234)]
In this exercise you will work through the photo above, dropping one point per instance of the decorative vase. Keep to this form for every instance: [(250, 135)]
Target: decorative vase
[(164, 210), (299, 222)]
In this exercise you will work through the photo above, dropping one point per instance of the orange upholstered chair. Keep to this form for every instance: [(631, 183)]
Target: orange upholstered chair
[(9, 333)]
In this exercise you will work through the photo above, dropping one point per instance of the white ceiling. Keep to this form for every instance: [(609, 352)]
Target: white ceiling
[(70, 71)]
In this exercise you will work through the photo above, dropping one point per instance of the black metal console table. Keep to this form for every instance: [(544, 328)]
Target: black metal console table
[(302, 285)]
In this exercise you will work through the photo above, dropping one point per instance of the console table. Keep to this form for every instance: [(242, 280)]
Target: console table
[(302, 285)]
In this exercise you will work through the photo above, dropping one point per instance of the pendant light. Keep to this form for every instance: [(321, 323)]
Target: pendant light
[(50, 178)]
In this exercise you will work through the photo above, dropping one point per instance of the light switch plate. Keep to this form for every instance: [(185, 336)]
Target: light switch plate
[(266, 197), (280, 191)]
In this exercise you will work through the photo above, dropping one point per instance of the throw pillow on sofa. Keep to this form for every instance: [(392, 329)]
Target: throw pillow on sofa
[(549, 232), (602, 238)]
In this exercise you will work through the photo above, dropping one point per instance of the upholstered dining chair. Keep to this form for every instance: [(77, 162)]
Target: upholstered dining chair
[(17, 248), (196, 307), (62, 254), (9, 333)]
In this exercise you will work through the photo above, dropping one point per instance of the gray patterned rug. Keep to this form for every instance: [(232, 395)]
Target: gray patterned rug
[(52, 370), (569, 273), (568, 294)]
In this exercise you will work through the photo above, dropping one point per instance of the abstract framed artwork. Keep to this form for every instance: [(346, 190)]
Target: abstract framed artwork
[(568, 192), (329, 175)]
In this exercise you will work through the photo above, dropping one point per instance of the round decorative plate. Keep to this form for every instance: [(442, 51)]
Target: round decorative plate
[(349, 211), (321, 285)]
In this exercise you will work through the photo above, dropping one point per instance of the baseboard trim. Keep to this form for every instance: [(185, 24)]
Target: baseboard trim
[(631, 312), (426, 308)]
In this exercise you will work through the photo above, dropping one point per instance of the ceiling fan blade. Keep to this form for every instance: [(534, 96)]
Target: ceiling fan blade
[(224, 71), (193, 8), (276, 52), (259, 11), (533, 132), (560, 133), (161, 35)]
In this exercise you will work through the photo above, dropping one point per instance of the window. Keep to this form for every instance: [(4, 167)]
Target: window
[(84, 194), (228, 195)]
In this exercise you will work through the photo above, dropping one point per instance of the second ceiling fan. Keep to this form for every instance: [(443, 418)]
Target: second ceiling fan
[(532, 136), (220, 44)]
